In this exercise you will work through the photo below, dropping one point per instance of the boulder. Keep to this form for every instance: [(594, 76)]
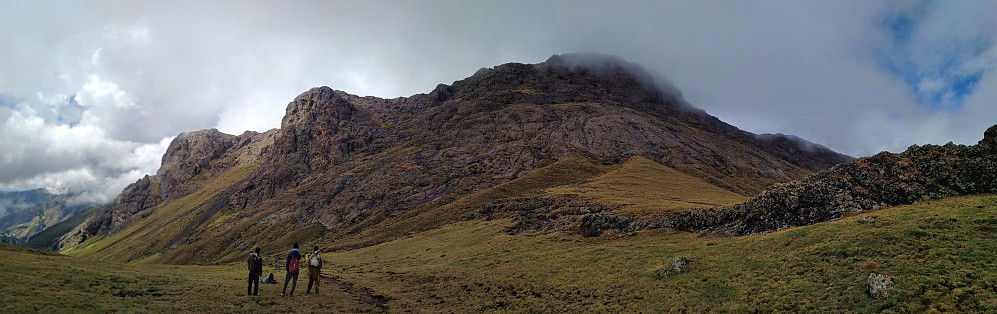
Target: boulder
[(879, 285), (679, 264)]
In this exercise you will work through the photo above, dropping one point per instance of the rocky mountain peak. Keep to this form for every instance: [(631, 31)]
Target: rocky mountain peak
[(190, 153), (319, 103), (990, 138)]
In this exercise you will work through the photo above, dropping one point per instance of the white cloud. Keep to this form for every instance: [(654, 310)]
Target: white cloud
[(93, 90), (78, 159)]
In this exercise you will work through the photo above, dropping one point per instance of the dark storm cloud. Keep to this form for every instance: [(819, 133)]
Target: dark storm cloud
[(92, 92)]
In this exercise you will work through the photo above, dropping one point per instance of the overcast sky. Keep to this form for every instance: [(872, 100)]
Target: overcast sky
[(92, 92)]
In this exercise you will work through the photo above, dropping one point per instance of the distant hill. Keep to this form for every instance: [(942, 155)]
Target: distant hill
[(27, 213), (345, 168)]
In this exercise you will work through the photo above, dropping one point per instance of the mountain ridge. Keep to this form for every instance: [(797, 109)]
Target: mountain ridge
[(342, 160)]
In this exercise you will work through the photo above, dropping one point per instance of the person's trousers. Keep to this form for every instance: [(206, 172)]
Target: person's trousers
[(314, 275), (288, 278), (254, 284)]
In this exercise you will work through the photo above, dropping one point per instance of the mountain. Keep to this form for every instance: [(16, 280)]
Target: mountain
[(14, 202), (363, 170), (26, 213)]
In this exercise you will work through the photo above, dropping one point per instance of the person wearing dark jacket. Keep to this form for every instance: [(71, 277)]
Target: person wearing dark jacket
[(255, 264), (292, 265)]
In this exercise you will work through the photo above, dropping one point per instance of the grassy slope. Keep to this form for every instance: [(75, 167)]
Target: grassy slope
[(941, 254), (41, 282), (569, 170), (644, 187), (153, 233)]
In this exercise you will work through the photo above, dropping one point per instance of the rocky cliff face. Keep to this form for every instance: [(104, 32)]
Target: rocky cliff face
[(340, 159), (886, 179), (352, 157)]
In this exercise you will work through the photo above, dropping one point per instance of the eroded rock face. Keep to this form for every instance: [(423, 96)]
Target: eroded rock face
[(188, 155), (364, 155), (339, 159), (886, 179)]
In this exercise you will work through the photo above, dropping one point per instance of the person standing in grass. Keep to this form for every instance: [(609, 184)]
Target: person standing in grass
[(314, 270), (292, 269), (255, 270)]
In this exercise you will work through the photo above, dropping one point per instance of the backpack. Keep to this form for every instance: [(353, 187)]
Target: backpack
[(313, 260), (293, 268)]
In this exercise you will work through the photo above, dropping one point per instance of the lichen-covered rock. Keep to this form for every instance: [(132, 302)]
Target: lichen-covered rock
[(679, 264), (879, 285)]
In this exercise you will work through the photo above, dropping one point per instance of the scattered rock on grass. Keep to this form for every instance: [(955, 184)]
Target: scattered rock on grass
[(879, 285), (678, 265)]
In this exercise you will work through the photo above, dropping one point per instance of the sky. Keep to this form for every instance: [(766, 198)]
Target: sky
[(92, 92)]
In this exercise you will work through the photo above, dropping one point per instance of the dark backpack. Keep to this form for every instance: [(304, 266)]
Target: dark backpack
[(293, 268)]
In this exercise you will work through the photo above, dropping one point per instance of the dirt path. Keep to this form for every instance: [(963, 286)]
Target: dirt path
[(360, 294)]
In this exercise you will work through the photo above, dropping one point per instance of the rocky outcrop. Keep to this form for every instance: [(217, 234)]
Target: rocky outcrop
[(135, 198), (886, 179), (351, 157), (187, 156)]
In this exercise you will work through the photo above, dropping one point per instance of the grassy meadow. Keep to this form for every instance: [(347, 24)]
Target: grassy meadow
[(940, 253), (42, 282)]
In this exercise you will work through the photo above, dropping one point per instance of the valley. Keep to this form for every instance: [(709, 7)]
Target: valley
[(543, 187), (940, 253)]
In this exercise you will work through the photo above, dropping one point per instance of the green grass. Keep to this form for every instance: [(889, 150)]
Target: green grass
[(41, 282), (941, 255)]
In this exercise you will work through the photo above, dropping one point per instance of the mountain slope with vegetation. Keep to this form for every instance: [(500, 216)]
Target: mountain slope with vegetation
[(940, 254), (26, 213), (341, 164)]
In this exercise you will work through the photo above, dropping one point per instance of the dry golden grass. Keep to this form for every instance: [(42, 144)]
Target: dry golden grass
[(643, 187)]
